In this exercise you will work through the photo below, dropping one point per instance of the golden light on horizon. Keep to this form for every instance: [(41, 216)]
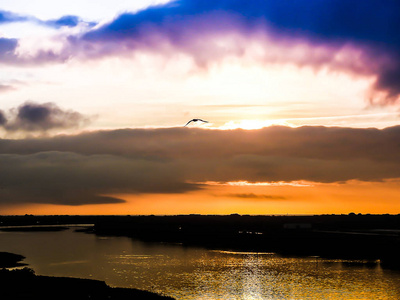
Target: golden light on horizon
[(298, 183), (243, 198), (252, 124)]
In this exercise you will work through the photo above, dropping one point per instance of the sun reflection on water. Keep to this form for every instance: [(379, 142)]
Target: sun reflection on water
[(246, 275)]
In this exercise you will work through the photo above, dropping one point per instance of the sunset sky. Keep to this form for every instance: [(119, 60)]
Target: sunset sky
[(302, 99)]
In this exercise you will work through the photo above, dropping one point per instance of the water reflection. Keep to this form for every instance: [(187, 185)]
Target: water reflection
[(195, 273)]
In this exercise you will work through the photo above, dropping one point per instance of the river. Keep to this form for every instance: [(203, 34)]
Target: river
[(196, 273)]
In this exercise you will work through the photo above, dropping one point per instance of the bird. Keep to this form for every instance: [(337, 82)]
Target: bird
[(195, 120)]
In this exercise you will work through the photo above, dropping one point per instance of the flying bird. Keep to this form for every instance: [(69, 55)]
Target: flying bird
[(195, 120)]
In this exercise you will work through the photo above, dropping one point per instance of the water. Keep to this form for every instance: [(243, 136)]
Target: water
[(196, 273)]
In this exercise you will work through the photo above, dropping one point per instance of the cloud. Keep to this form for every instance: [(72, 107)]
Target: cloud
[(358, 38), (256, 196), (32, 116), (9, 17), (69, 21), (6, 88), (307, 142), (11, 49), (71, 168), (66, 21), (7, 48), (9, 54), (355, 37), (3, 119), (75, 179)]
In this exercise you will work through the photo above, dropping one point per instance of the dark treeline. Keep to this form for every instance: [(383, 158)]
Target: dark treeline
[(338, 236), (323, 222)]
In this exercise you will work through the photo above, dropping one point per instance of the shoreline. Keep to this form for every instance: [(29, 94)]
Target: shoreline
[(25, 284), (11, 260)]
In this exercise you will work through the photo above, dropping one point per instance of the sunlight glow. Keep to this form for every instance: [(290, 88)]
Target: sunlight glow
[(300, 183), (252, 124)]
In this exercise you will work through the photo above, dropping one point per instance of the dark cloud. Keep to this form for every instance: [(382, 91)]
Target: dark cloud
[(32, 116), (308, 142), (3, 119), (69, 169), (256, 196), (75, 179)]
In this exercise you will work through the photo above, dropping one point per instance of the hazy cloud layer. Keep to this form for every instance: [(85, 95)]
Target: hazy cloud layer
[(81, 169), (256, 196), (307, 142), (32, 116), (6, 88)]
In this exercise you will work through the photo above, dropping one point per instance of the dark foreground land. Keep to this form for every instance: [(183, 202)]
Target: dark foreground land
[(372, 237), (24, 284)]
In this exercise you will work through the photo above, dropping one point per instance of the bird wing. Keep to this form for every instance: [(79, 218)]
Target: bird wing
[(188, 123), (195, 120)]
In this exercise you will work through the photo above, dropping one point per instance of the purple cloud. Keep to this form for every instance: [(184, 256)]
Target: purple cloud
[(7, 48), (359, 37)]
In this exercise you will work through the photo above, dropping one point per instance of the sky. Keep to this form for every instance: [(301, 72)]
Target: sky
[(302, 101)]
